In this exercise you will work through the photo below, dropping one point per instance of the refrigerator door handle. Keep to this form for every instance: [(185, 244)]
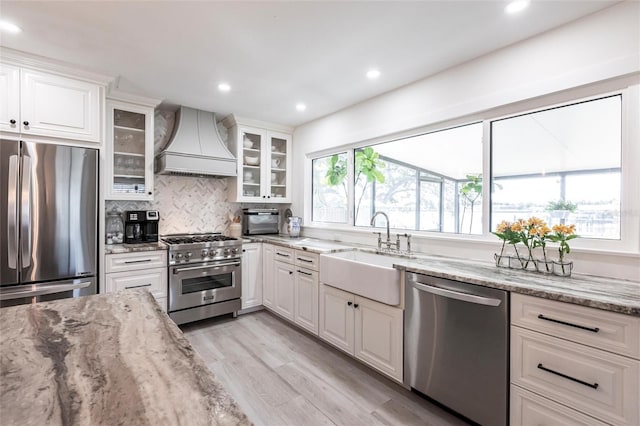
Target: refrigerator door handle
[(12, 213), (37, 290), (26, 211)]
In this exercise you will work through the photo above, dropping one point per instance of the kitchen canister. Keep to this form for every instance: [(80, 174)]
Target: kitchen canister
[(235, 230)]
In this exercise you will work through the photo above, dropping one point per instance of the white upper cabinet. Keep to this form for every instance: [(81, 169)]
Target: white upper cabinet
[(264, 159), (129, 151), (46, 100), (61, 107), (9, 98)]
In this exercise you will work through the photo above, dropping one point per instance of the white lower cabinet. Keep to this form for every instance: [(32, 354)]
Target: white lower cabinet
[(126, 271), (552, 357), (369, 330), (337, 318), (528, 408), (284, 297), (290, 286), (305, 312), (251, 275), (268, 277)]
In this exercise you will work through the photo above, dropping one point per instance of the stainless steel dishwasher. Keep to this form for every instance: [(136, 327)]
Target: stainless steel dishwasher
[(456, 346)]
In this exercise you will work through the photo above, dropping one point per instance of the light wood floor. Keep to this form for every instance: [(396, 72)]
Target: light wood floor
[(280, 375)]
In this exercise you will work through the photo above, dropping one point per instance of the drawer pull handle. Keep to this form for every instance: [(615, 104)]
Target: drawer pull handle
[(305, 260), (282, 254), (306, 273), (137, 261), (137, 286), (548, 370), (582, 327)]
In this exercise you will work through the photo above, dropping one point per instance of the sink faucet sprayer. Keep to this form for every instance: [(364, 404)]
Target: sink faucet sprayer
[(373, 221), (388, 242)]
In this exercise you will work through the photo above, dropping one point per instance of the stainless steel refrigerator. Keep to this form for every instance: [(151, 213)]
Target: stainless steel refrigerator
[(48, 222)]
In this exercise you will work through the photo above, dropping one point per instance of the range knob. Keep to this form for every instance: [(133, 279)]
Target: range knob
[(226, 252), (188, 255), (179, 256), (234, 250), (204, 253)]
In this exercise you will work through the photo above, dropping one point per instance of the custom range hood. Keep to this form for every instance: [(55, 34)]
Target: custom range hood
[(195, 147)]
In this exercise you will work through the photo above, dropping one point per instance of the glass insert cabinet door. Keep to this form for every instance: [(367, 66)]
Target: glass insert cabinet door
[(252, 153), (131, 140), (278, 165)]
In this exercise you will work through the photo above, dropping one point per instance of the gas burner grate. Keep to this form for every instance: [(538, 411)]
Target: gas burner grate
[(191, 239)]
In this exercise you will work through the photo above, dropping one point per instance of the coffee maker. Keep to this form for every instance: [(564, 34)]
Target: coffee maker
[(141, 226)]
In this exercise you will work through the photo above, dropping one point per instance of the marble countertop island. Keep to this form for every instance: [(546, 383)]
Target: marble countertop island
[(113, 359)]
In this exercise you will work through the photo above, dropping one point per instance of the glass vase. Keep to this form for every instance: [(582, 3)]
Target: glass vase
[(562, 268), (544, 266), (502, 261)]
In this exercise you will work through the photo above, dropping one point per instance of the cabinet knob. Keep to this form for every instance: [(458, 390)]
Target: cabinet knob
[(244, 250), (150, 193), (355, 305), (349, 303), (268, 196), (26, 123), (290, 272), (264, 196), (12, 121)]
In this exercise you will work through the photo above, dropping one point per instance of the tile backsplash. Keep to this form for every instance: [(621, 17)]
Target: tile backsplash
[(186, 204)]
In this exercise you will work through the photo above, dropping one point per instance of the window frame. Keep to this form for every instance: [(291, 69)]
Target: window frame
[(629, 241)]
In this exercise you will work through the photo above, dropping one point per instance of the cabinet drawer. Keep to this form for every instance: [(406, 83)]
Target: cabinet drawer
[(527, 408), (595, 382), (284, 254), (135, 261), (304, 259), (155, 280), (604, 330)]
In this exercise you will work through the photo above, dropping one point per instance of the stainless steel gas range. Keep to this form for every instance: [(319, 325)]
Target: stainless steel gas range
[(204, 276)]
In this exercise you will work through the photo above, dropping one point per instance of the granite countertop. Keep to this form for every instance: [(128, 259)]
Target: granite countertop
[(128, 248), (312, 245), (597, 292), (107, 359)]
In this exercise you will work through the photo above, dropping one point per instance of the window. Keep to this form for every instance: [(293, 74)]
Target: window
[(330, 191), (430, 182), (562, 164)]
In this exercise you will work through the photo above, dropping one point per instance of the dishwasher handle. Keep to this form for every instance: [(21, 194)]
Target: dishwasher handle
[(465, 297)]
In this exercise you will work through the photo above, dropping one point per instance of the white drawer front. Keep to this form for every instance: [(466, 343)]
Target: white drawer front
[(604, 330), (284, 254), (538, 363), (135, 261), (304, 259), (155, 280), (527, 409)]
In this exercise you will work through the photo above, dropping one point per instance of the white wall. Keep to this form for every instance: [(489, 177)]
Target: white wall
[(598, 53)]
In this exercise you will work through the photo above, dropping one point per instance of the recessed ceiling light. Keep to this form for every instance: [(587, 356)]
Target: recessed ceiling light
[(516, 6), (373, 74), (9, 27), (224, 87), (301, 107)]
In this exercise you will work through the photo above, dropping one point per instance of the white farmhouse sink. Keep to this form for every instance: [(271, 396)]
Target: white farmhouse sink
[(367, 274)]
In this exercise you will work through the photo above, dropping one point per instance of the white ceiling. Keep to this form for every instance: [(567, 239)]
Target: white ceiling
[(274, 54)]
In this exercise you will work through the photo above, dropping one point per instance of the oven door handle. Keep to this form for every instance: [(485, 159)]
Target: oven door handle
[(194, 268)]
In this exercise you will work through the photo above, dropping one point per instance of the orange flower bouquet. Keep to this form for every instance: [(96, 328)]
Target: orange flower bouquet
[(561, 234), (534, 234)]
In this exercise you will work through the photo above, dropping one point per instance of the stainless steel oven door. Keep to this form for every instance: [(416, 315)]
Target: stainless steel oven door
[(197, 285)]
